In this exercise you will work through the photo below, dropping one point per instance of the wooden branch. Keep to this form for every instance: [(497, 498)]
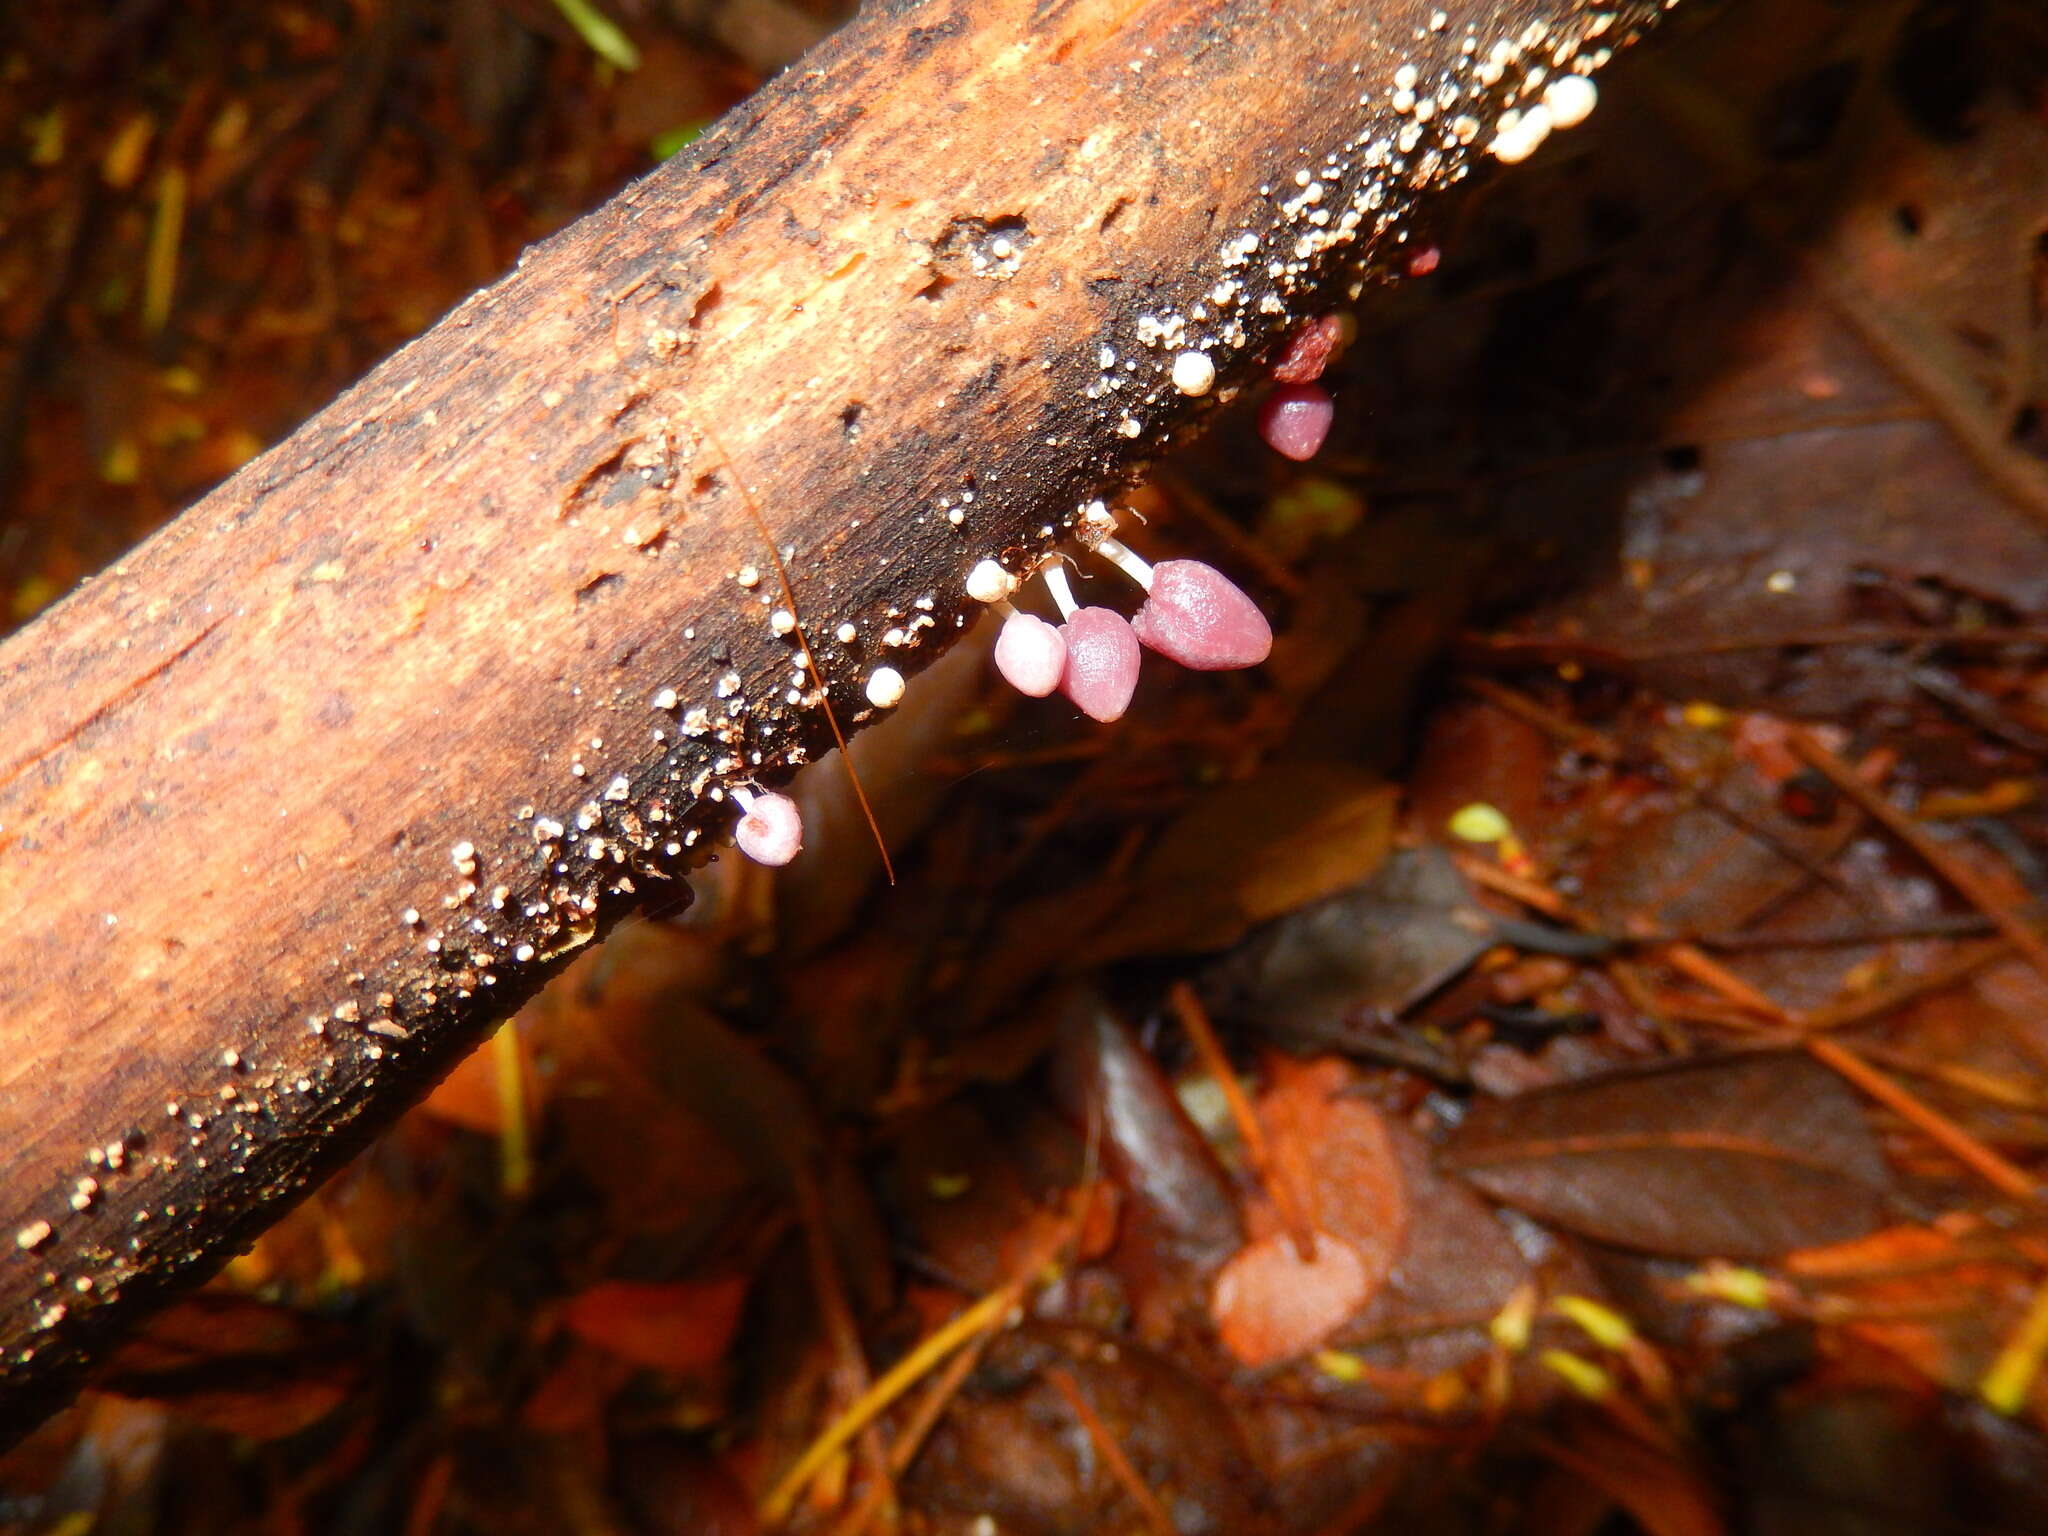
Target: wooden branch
[(332, 773)]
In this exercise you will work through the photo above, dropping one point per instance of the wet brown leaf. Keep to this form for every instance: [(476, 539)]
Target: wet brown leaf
[(1661, 1493), (239, 1365), (681, 1326), (670, 1486), (1457, 1268), (1742, 1156), (1245, 854), (1178, 1191), (1011, 1450), (1317, 975)]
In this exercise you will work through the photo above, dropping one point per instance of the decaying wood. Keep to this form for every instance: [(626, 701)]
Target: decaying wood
[(304, 794)]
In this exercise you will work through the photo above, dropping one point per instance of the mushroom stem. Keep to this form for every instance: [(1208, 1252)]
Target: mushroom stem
[(1062, 593), (1127, 560)]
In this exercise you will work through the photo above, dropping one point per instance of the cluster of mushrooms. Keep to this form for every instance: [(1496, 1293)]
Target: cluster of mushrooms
[(1192, 613)]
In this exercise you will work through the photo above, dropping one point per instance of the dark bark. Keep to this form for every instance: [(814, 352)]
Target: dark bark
[(330, 775)]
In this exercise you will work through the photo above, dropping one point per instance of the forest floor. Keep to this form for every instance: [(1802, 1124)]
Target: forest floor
[(1563, 1048)]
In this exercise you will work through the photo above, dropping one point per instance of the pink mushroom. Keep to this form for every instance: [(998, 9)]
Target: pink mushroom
[(1200, 618), (1030, 653), (1295, 419), (772, 829), (1102, 663), (1103, 658), (1193, 613)]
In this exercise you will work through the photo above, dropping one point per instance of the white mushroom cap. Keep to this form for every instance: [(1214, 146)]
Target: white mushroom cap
[(772, 831)]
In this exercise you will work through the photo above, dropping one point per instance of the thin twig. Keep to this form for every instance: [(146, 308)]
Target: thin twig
[(984, 1314), (850, 1368), (1966, 882), (1964, 963), (2005, 1176), (1194, 1018), (1530, 893), (970, 1323), (1710, 973), (1112, 1454), (1559, 728), (515, 1147), (922, 1419), (2002, 1091), (2009, 1383)]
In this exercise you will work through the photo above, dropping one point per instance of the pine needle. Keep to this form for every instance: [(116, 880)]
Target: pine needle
[(600, 34)]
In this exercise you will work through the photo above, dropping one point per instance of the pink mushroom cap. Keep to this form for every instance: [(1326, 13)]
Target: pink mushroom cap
[(1031, 654), (1295, 418), (772, 831), (1102, 663), (1200, 618)]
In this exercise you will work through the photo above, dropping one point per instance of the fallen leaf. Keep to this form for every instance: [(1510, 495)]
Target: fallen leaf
[(1661, 1493), (1246, 853), (1743, 1156), (237, 1364), (1335, 1146), (1271, 1304), (1106, 1079), (671, 1486), (681, 1326), (1009, 1451), (1317, 976)]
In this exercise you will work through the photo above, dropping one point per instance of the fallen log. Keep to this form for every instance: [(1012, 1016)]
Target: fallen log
[(303, 795)]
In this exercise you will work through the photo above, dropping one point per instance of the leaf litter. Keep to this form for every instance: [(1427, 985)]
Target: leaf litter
[(1559, 1048)]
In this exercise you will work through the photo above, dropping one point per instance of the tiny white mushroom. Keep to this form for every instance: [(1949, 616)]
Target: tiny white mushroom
[(772, 829), (1194, 373), (1518, 135), (988, 582), (1570, 100), (885, 687)]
